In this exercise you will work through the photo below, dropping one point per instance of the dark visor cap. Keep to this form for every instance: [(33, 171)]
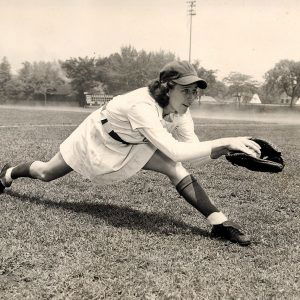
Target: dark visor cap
[(181, 72)]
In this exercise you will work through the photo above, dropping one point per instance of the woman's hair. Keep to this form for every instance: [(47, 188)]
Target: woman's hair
[(160, 91)]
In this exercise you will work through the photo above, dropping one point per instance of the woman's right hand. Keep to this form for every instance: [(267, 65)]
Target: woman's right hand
[(224, 145)]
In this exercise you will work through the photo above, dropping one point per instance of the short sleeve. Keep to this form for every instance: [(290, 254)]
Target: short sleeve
[(143, 115)]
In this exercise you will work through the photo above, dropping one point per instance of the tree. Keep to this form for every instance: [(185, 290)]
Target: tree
[(240, 85), (45, 78), (124, 69), (130, 69), (156, 61), (218, 90), (210, 77), (5, 76), (39, 78), (83, 75), (14, 88), (24, 88), (284, 77)]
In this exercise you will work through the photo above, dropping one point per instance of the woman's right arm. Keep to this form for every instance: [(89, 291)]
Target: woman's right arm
[(177, 151), (224, 145), (145, 119), (182, 151)]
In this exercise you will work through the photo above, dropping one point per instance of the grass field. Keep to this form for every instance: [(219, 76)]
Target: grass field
[(69, 239)]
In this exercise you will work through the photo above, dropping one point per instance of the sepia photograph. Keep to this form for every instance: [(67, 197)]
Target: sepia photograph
[(149, 149)]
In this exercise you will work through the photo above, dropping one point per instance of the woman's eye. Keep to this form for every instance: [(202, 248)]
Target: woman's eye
[(190, 92)]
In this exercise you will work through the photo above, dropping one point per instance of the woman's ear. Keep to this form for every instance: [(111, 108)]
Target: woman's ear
[(171, 85)]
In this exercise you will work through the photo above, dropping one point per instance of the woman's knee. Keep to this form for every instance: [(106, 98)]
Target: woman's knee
[(41, 171), (47, 171), (159, 162), (176, 173)]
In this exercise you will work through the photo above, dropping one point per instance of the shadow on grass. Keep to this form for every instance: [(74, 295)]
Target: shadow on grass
[(121, 216)]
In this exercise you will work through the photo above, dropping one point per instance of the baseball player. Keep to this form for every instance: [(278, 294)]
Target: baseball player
[(149, 128)]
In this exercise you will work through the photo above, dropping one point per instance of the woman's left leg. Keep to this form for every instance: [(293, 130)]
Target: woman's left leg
[(47, 171), (189, 188)]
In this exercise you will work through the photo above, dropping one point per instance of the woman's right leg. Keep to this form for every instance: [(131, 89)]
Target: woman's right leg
[(186, 185), (190, 189), (45, 171)]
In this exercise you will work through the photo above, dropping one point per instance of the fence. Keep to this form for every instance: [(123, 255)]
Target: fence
[(97, 99)]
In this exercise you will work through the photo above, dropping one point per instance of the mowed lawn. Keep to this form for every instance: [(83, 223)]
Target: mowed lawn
[(138, 239)]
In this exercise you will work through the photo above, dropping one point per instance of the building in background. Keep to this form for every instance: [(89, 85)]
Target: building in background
[(97, 99), (255, 99)]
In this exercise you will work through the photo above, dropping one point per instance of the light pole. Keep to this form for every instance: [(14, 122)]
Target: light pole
[(191, 13)]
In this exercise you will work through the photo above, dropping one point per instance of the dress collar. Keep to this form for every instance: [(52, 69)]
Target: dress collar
[(169, 118)]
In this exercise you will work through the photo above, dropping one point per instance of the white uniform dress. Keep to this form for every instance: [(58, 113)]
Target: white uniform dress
[(137, 118)]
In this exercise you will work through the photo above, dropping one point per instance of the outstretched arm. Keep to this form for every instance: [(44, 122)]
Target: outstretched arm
[(145, 119), (182, 151)]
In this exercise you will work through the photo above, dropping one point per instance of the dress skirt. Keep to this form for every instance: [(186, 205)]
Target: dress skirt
[(93, 153)]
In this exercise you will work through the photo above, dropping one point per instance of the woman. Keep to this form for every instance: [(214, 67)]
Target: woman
[(149, 128)]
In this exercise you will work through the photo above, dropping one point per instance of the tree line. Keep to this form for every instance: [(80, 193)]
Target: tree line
[(130, 69)]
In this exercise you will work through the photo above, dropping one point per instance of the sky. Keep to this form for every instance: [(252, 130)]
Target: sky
[(249, 37)]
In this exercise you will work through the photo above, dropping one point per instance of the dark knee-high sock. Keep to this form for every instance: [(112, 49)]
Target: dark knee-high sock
[(193, 193), (21, 170)]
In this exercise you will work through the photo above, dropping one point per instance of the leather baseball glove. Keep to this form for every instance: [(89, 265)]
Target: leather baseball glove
[(270, 159)]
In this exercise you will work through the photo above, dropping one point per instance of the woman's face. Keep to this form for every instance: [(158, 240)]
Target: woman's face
[(181, 97)]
